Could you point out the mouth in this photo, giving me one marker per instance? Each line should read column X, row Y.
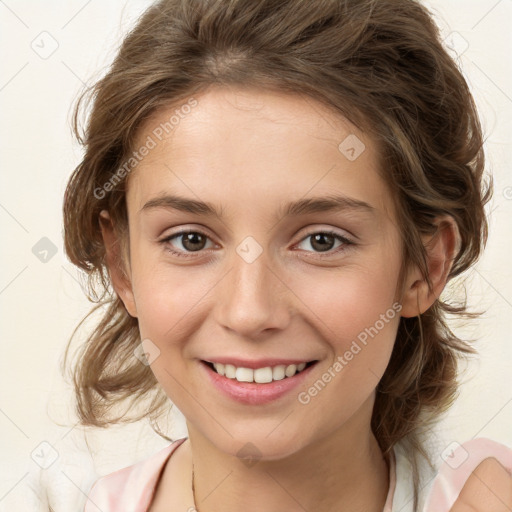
column 261, row 375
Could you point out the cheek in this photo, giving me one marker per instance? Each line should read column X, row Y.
column 351, row 300
column 169, row 314
column 356, row 314
column 358, row 318
column 168, row 299
column 164, row 294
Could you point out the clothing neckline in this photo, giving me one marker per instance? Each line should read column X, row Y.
column 156, row 476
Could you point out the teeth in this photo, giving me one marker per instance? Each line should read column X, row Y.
column 259, row 375
column 230, row 371
column 244, row 375
column 263, row 375
column 290, row 370
column 278, row 372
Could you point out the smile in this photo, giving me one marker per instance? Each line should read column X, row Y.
column 266, row 382
column 261, row 375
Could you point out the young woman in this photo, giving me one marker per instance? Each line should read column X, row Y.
column 273, row 196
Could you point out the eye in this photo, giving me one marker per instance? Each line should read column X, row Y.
column 324, row 241
column 190, row 240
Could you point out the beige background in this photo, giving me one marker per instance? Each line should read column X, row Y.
column 41, row 302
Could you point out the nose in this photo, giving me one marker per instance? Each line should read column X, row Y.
column 253, row 298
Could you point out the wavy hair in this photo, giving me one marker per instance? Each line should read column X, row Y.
column 379, row 63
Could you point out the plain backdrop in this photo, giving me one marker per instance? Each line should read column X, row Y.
column 49, row 50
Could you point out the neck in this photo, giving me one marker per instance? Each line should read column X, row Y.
column 342, row 471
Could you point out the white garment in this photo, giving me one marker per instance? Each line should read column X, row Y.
column 403, row 498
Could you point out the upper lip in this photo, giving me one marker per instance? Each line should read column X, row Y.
column 256, row 363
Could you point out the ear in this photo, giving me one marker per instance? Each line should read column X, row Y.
column 116, row 266
column 441, row 249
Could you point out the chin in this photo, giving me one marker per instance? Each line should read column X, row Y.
column 253, row 447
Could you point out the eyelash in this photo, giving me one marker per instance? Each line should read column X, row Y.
column 345, row 241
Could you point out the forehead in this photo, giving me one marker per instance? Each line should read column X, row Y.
column 255, row 146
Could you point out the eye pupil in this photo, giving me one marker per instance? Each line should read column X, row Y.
column 322, row 246
column 190, row 241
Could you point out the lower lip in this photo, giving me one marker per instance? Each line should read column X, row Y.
column 253, row 393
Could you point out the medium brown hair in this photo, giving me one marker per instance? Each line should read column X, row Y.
column 380, row 64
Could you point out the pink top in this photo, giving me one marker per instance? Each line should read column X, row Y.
column 131, row 489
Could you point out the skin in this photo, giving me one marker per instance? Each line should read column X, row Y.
column 488, row 489
column 251, row 151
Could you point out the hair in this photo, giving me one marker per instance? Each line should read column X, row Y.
column 379, row 63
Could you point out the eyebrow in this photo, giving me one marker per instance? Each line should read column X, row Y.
column 331, row 203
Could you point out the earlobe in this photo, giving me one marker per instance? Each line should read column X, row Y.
column 441, row 250
column 115, row 264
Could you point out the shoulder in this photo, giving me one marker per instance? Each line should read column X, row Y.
column 129, row 488
column 475, row 476
column 488, row 489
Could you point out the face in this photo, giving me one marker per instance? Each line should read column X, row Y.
column 297, row 261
